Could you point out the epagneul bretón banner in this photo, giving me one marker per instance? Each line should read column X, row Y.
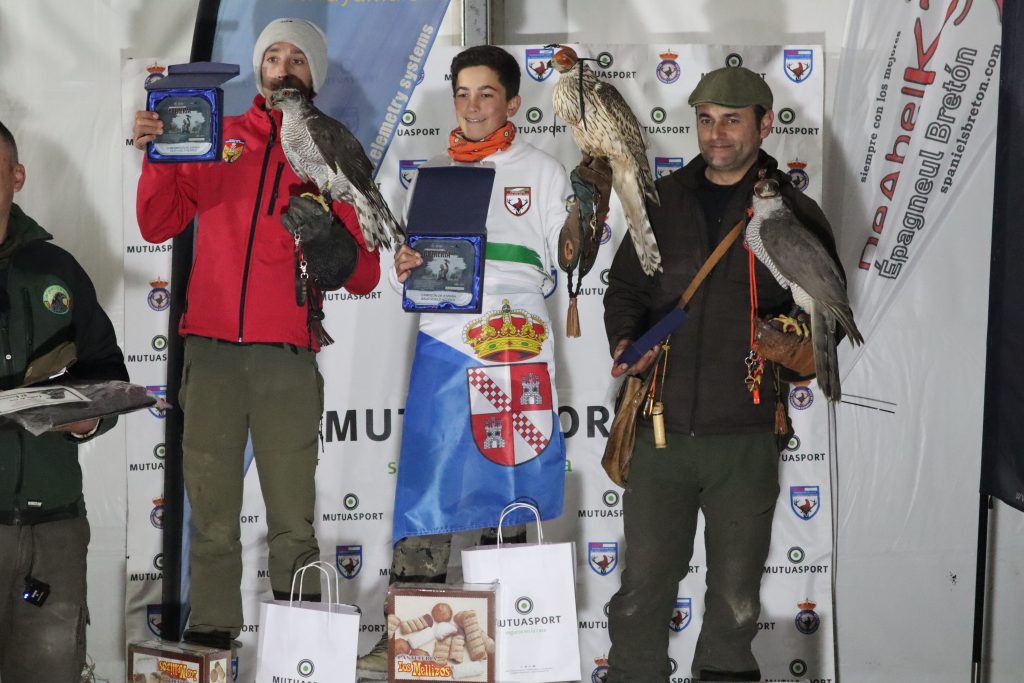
column 926, row 126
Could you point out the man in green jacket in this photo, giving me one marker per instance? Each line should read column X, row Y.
column 46, row 299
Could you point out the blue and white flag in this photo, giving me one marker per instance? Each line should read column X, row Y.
column 481, row 424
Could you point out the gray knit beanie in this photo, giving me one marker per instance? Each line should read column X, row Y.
column 304, row 35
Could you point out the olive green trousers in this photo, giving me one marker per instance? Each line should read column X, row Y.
column 733, row 481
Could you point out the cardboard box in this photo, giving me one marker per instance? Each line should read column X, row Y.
column 440, row 632
column 159, row 661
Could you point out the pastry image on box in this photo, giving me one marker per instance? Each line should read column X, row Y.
column 442, row 633
column 158, row 661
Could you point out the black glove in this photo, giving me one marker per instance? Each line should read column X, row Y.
column 330, row 250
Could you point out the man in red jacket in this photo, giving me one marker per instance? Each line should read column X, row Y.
column 250, row 346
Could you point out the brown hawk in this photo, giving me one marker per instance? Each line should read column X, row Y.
column 603, row 125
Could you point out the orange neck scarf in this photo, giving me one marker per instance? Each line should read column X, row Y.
column 461, row 149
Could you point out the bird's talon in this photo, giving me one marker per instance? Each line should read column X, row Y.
column 792, row 325
column 319, row 199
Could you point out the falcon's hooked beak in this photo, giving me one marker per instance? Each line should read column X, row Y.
column 766, row 188
column 281, row 95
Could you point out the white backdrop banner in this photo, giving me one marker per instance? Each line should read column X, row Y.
column 915, row 129
column 366, row 371
column 147, row 273
column 915, row 122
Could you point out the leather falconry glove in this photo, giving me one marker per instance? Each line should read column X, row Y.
column 327, row 246
column 791, row 350
column 580, row 238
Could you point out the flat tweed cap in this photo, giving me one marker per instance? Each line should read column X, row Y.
column 732, row 86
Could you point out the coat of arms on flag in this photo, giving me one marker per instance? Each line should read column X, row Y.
column 510, row 411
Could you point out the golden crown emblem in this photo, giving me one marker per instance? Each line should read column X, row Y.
column 796, row 163
column 601, row 661
column 506, row 334
column 158, row 283
column 806, row 605
column 155, row 69
column 158, row 501
column 668, row 54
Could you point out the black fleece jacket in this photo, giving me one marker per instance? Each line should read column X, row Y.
column 704, row 391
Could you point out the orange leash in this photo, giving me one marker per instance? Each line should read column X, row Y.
column 754, row 361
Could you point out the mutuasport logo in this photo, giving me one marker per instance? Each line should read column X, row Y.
column 524, row 605
column 305, row 668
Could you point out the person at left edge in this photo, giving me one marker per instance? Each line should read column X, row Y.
column 250, row 347
column 45, row 299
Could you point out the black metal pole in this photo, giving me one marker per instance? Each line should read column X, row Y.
column 1002, row 436
column 979, row 588
column 174, row 607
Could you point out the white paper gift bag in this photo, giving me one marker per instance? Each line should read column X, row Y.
column 537, row 640
column 308, row 640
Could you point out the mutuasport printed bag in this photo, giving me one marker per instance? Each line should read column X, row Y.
column 537, row 639
column 313, row 641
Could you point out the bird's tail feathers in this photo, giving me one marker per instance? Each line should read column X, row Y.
column 844, row 314
column 376, row 221
column 826, row 361
column 630, row 192
column 646, row 180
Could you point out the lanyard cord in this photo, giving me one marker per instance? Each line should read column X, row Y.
column 754, row 361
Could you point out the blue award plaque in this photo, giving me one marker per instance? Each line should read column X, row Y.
column 448, row 227
column 190, row 104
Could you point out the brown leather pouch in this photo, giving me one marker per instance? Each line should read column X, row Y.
column 618, row 451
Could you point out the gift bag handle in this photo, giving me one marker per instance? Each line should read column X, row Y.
column 520, row 505
column 325, row 569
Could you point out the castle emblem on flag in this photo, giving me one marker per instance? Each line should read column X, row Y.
column 494, row 439
column 531, row 391
column 511, row 411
